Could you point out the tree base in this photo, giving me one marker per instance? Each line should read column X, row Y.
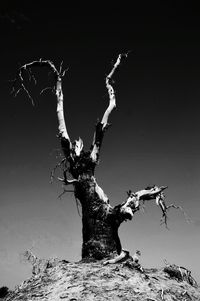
column 95, row 250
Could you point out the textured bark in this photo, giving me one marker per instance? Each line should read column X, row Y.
column 99, row 226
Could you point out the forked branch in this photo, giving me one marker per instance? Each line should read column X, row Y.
column 134, row 200
column 20, row 82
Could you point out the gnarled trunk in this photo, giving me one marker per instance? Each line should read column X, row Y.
column 99, row 225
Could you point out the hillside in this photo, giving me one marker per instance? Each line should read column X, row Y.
column 62, row 280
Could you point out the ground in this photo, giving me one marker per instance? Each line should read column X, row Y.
column 62, row 280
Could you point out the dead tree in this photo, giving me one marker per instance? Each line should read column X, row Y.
column 100, row 220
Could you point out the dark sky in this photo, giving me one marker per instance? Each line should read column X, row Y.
column 154, row 138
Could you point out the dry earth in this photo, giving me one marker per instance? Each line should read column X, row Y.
column 61, row 280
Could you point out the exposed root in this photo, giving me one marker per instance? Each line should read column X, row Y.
column 120, row 258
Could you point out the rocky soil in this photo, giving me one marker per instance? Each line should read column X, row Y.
column 61, row 280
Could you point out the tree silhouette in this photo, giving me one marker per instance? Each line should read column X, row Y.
column 100, row 220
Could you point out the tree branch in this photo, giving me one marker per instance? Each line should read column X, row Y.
column 103, row 125
column 133, row 203
column 19, row 80
column 63, row 166
column 66, row 181
column 111, row 92
column 97, row 141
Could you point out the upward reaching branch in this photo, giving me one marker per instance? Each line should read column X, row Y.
column 19, row 80
column 60, row 113
column 111, row 92
column 102, row 126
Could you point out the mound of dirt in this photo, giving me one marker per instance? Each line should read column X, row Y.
column 62, row 280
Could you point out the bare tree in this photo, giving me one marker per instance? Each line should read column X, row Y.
column 100, row 219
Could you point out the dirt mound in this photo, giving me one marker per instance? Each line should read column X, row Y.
column 62, row 280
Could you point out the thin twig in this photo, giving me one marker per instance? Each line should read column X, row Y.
column 45, row 89
column 27, row 67
column 64, row 191
column 54, row 169
column 187, row 218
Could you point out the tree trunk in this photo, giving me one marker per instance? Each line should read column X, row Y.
column 99, row 225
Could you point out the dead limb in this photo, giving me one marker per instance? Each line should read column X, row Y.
column 66, row 181
column 111, row 92
column 103, row 125
column 19, row 80
column 61, row 165
column 63, row 192
column 134, row 201
column 161, row 202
